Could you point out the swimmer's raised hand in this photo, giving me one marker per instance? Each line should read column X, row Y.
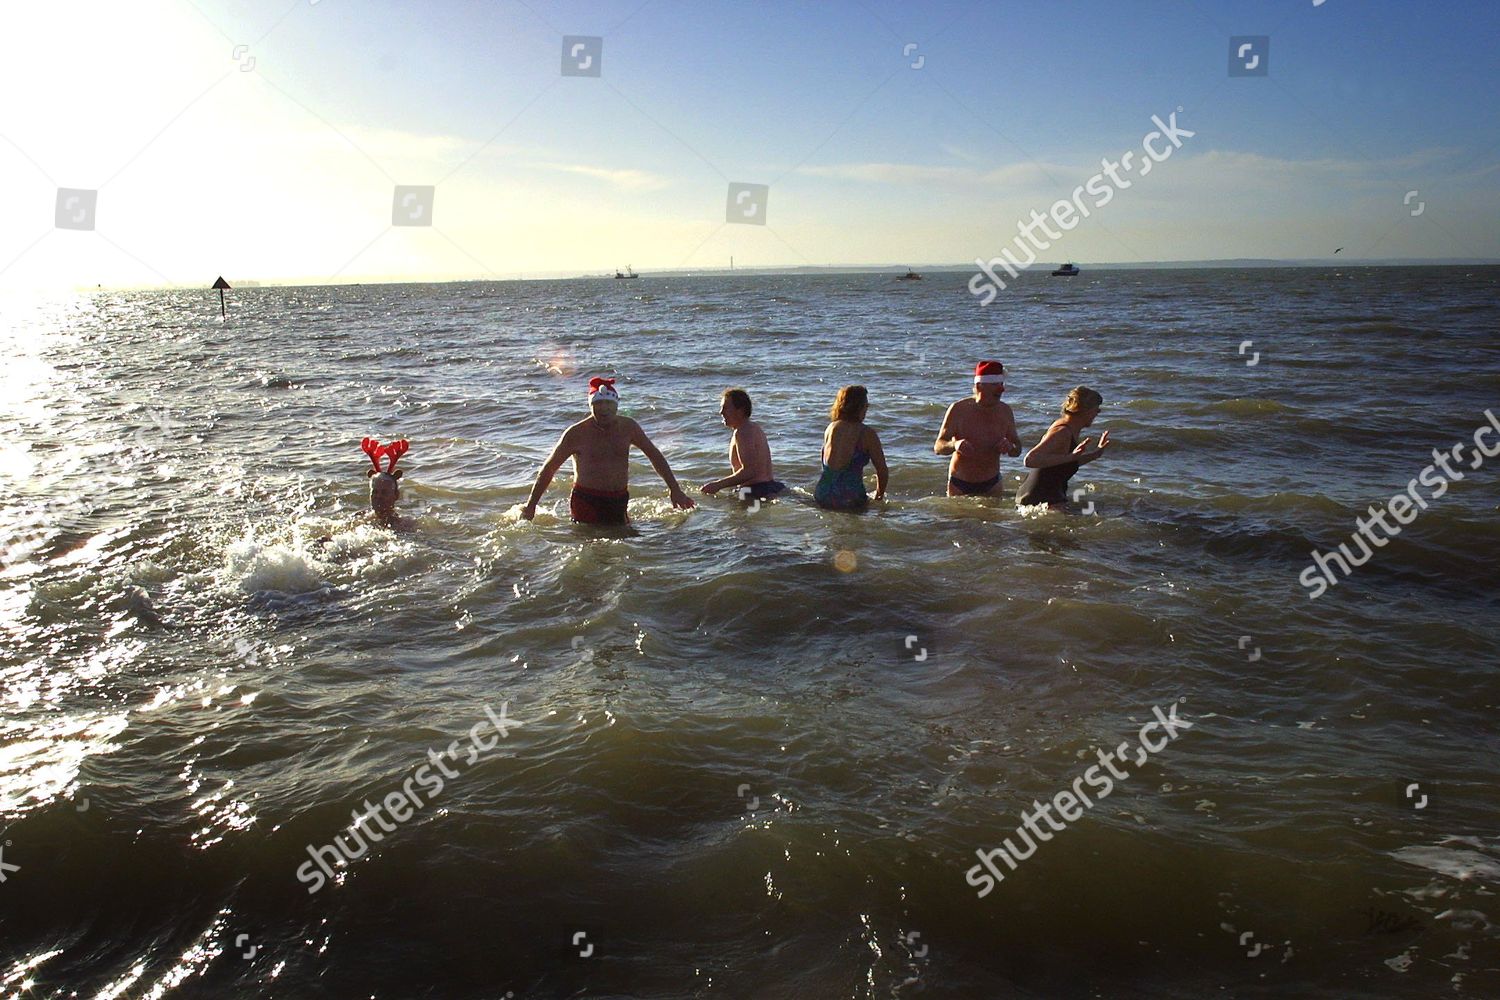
column 1084, row 454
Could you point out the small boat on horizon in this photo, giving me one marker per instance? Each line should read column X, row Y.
column 629, row 273
column 1066, row 271
column 910, row 275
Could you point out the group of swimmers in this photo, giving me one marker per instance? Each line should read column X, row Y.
column 976, row 432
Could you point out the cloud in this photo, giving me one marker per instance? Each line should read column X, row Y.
column 1277, row 170
column 624, row 179
column 958, row 153
column 1476, row 174
column 390, row 146
column 1225, row 168
column 1012, row 176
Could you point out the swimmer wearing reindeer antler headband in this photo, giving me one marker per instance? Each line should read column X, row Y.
column 384, row 489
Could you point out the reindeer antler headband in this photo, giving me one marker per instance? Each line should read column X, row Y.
column 374, row 449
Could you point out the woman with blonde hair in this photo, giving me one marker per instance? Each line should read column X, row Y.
column 1059, row 453
column 847, row 445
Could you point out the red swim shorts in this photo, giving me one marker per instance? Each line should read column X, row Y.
column 599, row 506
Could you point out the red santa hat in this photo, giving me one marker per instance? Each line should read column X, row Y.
column 989, row 373
column 602, row 390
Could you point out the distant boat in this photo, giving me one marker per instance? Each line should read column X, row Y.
column 1066, row 271
column 910, row 275
column 628, row 273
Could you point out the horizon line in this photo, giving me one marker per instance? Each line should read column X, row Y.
column 1223, row 263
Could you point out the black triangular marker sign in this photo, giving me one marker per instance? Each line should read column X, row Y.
column 221, row 283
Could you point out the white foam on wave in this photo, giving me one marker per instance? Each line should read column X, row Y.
column 554, row 511
column 1460, row 864
column 547, row 512
column 315, row 553
column 256, row 564
column 1036, row 511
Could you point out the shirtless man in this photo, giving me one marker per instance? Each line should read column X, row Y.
column 976, row 432
column 600, row 449
column 749, row 452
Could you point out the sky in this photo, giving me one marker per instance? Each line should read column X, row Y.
column 164, row 142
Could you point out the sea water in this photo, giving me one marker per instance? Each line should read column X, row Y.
column 757, row 748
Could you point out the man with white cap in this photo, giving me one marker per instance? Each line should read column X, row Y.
column 600, row 449
column 976, row 432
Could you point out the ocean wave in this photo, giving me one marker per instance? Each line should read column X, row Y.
column 1163, row 439
column 1235, row 407
column 1281, row 504
column 1338, row 319
column 1474, row 863
column 1245, row 407
column 258, row 566
column 1366, row 328
column 270, row 380
column 315, row 554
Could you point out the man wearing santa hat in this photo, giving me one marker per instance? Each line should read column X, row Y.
column 600, row 449
column 976, row 432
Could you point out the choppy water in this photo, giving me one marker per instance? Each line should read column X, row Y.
column 737, row 775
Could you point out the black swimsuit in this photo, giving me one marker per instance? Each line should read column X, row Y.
column 1049, row 485
column 964, row 488
column 761, row 491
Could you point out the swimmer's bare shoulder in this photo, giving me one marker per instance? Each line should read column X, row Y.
column 756, row 435
column 579, row 437
column 960, row 415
